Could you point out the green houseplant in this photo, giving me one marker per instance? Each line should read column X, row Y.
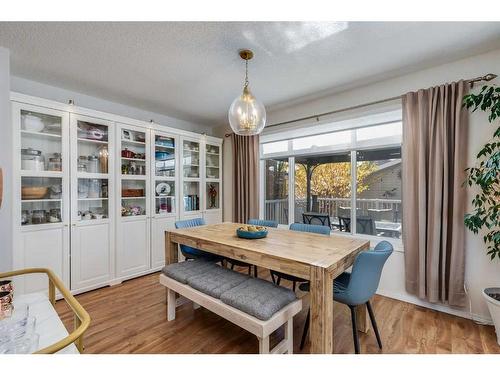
column 485, row 175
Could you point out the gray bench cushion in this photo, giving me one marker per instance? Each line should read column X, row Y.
column 258, row 298
column 182, row 271
column 216, row 281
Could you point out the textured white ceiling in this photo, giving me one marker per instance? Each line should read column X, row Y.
column 191, row 70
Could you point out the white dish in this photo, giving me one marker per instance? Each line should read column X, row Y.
column 33, row 123
column 163, row 188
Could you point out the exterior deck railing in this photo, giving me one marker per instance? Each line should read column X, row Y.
column 385, row 209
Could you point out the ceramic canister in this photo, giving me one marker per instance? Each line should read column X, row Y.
column 5, row 301
column 6, row 286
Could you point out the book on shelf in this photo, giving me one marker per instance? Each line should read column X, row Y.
column 192, row 202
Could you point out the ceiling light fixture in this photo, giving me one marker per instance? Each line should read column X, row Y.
column 247, row 115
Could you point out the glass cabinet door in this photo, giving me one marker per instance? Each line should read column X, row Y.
column 134, row 172
column 212, row 176
column 212, row 162
column 92, row 153
column 164, row 181
column 191, row 159
column 42, row 169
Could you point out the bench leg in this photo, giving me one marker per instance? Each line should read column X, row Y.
column 289, row 336
column 170, row 304
column 264, row 345
column 195, row 306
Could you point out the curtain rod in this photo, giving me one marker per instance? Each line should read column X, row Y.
column 487, row 77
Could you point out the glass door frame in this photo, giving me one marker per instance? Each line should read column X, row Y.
column 75, row 175
column 207, row 180
column 64, row 175
column 176, row 179
column 199, row 179
column 121, row 177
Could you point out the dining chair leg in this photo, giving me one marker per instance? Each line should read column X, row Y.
column 294, row 285
column 255, row 272
column 249, row 270
column 354, row 329
column 272, row 277
column 374, row 323
column 306, row 328
column 232, row 266
column 278, row 282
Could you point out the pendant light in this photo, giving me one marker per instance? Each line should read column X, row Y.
column 247, row 115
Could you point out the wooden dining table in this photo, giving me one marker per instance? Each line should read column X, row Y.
column 313, row 257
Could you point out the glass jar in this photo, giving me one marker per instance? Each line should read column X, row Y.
column 93, row 164
column 32, row 160
column 95, row 188
column 39, row 217
column 25, row 217
column 83, row 188
column 132, row 168
column 55, row 215
column 82, row 164
column 104, row 188
column 55, row 162
column 103, row 160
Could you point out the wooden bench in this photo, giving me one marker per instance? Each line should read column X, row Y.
column 261, row 329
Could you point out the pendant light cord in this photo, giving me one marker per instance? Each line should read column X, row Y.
column 246, row 72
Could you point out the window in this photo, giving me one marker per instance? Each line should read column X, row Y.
column 350, row 175
column 323, row 140
column 274, row 147
column 378, row 198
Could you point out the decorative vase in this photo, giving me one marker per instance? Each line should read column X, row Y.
column 492, row 297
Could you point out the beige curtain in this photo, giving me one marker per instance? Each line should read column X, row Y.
column 434, row 158
column 245, row 177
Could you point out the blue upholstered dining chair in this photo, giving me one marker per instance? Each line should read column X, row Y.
column 356, row 288
column 263, row 223
column 311, row 228
column 190, row 252
column 258, row 222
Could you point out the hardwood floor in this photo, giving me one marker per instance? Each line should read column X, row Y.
column 131, row 318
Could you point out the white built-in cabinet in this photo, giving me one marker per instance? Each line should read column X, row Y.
column 96, row 192
column 165, row 191
column 41, row 240
column 212, row 161
column 92, row 201
column 201, row 180
column 133, row 223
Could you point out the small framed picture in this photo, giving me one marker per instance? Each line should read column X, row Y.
column 127, row 135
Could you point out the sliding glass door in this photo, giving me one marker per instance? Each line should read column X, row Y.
column 323, row 186
column 276, row 190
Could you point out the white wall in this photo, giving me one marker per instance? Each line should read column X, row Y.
column 6, row 152
column 25, row 86
column 480, row 271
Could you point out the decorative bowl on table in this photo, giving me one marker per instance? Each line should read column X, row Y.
column 251, row 232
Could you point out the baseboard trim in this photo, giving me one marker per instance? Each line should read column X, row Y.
column 441, row 308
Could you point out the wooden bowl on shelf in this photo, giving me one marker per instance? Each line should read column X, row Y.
column 34, row 192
